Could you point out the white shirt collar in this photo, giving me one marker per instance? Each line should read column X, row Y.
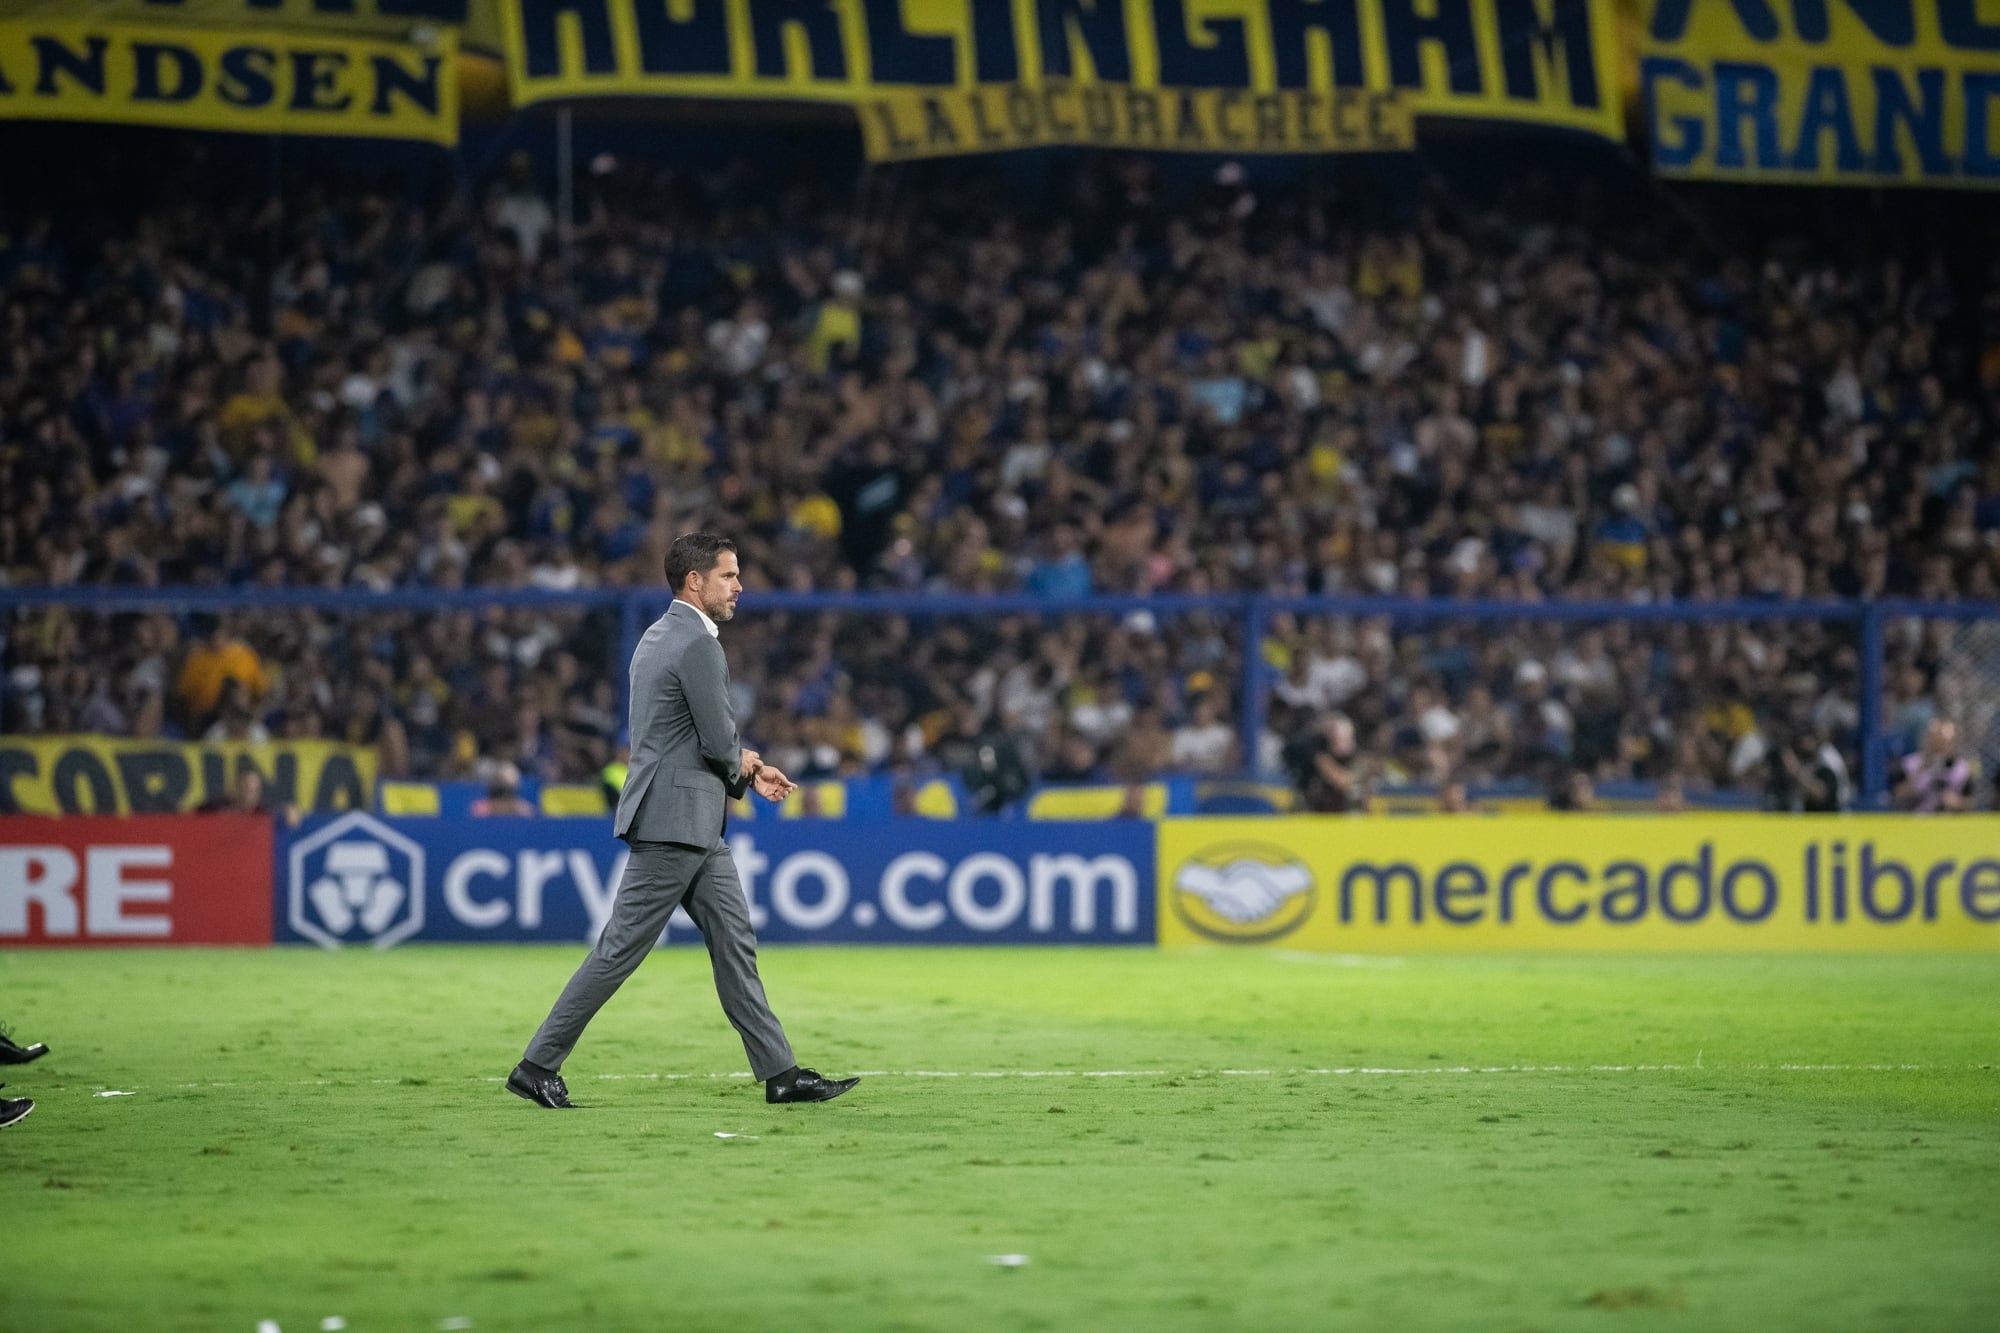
column 709, row 625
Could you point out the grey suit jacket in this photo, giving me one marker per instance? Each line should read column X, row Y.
column 685, row 754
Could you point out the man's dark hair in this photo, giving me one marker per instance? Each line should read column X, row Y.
column 694, row 553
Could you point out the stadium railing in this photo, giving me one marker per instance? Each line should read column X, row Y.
column 1839, row 653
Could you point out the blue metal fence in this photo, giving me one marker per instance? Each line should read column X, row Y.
column 636, row 608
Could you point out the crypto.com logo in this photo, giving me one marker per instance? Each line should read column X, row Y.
column 356, row 880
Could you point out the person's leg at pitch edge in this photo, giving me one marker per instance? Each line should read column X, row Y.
column 715, row 903
column 13, row 1110
column 656, row 878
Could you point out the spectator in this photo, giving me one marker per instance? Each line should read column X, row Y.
column 1808, row 775
column 1076, row 760
column 1204, row 743
column 1464, row 397
column 1322, row 763
column 247, row 796
column 235, row 721
column 367, row 721
column 519, row 209
column 1937, row 779
column 503, row 795
column 988, row 760
column 220, row 657
column 1576, row 794
column 1062, row 571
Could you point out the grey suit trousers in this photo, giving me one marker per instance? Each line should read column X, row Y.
column 659, row 877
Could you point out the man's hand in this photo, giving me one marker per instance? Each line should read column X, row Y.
column 752, row 761
column 771, row 784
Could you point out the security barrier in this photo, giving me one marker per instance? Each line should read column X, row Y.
column 602, row 626
column 1692, row 882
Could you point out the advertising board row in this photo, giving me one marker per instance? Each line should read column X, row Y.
column 1397, row 886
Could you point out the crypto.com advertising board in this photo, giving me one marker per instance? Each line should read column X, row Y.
column 1564, row 882
column 361, row 880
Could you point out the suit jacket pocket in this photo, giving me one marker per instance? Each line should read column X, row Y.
column 697, row 803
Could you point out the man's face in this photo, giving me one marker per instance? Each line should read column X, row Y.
column 716, row 591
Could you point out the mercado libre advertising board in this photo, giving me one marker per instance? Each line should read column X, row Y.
column 96, row 775
column 933, row 77
column 266, row 81
column 1784, row 882
column 1877, row 92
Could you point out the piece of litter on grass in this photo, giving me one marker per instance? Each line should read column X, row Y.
column 333, row 1323
column 456, row 1321
column 1007, row 1260
column 127, row 1094
column 263, row 1325
column 725, row 1134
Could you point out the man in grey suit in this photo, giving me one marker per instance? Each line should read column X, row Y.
column 685, row 758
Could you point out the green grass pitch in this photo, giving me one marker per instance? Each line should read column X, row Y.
column 1173, row 1141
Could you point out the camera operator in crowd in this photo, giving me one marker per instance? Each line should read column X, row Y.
column 1324, row 766
column 1806, row 774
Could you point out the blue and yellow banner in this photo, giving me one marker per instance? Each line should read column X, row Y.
column 1711, row 882
column 100, row 775
column 265, row 81
column 938, row 76
column 477, row 21
column 1866, row 92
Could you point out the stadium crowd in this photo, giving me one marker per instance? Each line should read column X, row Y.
column 939, row 388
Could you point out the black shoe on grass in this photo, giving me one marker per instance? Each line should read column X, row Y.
column 11, row 1054
column 804, row 1085
column 540, row 1087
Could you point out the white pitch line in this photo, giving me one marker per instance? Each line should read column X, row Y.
column 1335, row 1071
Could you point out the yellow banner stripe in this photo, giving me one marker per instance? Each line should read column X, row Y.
column 1904, row 94
column 262, row 82
column 1535, row 61
column 983, row 120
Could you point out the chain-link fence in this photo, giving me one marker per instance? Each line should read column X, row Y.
column 1005, row 695
column 1941, row 708
column 1334, row 699
column 1559, row 705
column 433, row 687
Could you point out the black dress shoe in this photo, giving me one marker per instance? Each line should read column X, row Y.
column 541, row 1089
column 10, row 1054
column 13, row 1109
column 805, row 1085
